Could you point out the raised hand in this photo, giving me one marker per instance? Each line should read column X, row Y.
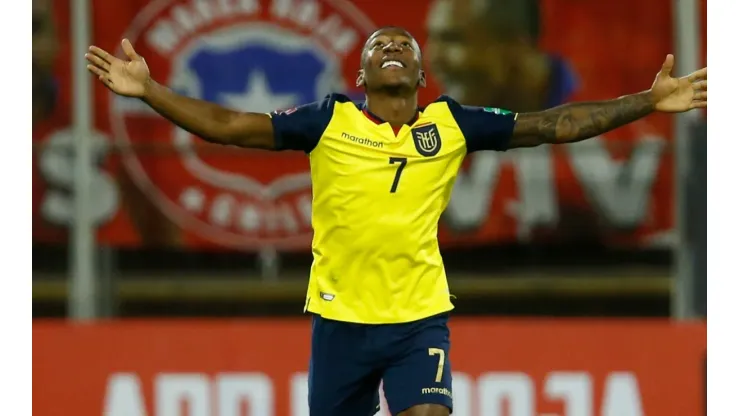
column 676, row 95
column 128, row 78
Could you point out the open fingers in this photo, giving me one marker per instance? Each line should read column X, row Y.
column 667, row 65
column 700, row 95
column 99, row 72
column 105, row 56
column 128, row 49
column 102, row 77
column 700, row 75
column 107, row 81
column 698, row 104
column 98, row 62
column 700, row 86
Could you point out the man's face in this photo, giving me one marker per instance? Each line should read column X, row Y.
column 470, row 63
column 391, row 58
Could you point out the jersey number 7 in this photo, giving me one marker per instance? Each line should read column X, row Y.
column 402, row 164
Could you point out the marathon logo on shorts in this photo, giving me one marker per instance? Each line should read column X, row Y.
column 437, row 390
column 248, row 55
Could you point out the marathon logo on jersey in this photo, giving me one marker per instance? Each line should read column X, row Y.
column 362, row 140
column 427, row 140
column 248, row 55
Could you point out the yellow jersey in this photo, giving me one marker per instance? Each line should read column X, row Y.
column 378, row 194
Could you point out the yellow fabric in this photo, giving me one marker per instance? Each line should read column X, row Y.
column 376, row 254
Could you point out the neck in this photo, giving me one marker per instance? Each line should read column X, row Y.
column 395, row 109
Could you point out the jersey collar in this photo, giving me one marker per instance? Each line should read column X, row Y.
column 377, row 120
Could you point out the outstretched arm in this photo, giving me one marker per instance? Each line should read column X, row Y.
column 209, row 121
column 579, row 121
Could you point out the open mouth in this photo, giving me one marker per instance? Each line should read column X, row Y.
column 392, row 63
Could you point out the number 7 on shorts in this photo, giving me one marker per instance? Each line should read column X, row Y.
column 440, row 363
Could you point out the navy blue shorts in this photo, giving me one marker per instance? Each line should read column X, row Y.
column 348, row 362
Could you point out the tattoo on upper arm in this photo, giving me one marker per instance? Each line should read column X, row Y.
column 579, row 121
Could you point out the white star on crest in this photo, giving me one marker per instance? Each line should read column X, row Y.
column 257, row 97
column 193, row 200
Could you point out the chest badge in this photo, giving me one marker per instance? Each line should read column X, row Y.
column 427, row 140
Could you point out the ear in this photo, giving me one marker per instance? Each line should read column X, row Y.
column 422, row 78
column 360, row 78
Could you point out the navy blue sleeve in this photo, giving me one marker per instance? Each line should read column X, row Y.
column 484, row 128
column 301, row 128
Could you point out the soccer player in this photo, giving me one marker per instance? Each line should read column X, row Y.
column 382, row 172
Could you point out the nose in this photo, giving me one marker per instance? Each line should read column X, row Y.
column 392, row 47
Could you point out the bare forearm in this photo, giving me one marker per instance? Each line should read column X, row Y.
column 579, row 121
column 209, row 121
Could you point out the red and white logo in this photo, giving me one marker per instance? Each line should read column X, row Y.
column 248, row 55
